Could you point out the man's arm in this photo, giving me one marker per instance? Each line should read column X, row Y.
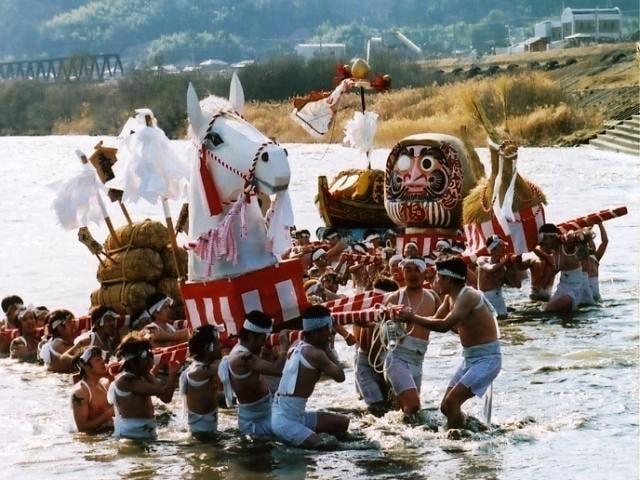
column 461, row 310
column 604, row 242
column 327, row 364
column 80, row 407
column 152, row 386
column 158, row 335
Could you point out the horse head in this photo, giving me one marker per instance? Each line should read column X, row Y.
column 236, row 163
column 243, row 157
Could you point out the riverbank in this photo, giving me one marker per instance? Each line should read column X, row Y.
column 555, row 98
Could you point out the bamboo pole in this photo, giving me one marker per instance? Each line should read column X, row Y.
column 172, row 237
column 103, row 209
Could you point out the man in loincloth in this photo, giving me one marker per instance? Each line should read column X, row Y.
column 25, row 347
column 403, row 363
column 591, row 264
column 307, row 359
column 198, row 381
column 494, row 271
column 541, row 264
column 10, row 307
column 160, row 332
column 131, row 392
column 104, row 330
column 241, row 374
column 58, row 352
column 91, row 410
column 468, row 313
column 369, row 359
column 568, row 261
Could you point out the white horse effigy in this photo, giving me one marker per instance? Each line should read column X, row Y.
column 233, row 259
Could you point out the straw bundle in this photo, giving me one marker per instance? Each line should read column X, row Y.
column 147, row 234
column 134, row 265
column 169, row 266
column 169, row 286
column 126, row 298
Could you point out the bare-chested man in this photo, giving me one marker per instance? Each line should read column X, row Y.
column 198, row 382
column 403, row 364
column 241, row 374
column 568, row 260
column 467, row 312
column 10, row 307
column 307, row 359
column 541, row 264
column 130, row 393
column 160, row 332
column 494, row 271
column 25, row 347
column 91, row 410
column 104, row 330
column 58, row 352
column 591, row 264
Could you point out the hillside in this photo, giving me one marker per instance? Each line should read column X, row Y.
column 181, row 31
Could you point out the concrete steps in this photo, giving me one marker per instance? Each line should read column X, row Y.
column 623, row 137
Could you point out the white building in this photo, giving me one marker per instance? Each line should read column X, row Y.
column 310, row 50
column 551, row 29
column 597, row 23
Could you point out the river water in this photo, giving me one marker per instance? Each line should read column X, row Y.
column 565, row 407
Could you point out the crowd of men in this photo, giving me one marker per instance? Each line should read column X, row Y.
column 448, row 290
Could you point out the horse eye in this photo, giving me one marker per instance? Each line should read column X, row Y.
column 286, row 153
column 265, row 157
column 214, row 138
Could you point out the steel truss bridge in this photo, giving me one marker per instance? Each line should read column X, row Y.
column 64, row 69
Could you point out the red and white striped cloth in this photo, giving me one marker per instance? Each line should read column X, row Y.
column 426, row 243
column 162, row 356
column 276, row 290
column 359, row 301
column 523, row 231
column 368, row 315
column 8, row 334
column 363, row 259
column 592, row 219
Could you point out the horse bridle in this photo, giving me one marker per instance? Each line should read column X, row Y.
column 249, row 177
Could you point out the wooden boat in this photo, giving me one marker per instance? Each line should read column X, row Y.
column 340, row 207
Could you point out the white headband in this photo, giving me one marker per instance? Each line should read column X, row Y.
column 396, row 258
column 309, row 324
column 443, row 244
column 313, row 288
column 546, row 234
column 60, row 321
column 332, row 235
column 108, row 313
column 448, row 273
column 317, row 254
column 156, row 307
column 373, row 236
column 495, row 243
column 252, row 327
column 130, row 356
column 418, row 262
column 87, row 354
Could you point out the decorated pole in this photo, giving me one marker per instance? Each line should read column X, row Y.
column 105, row 214
column 148, row 168
column 167, row 217
column 78, row 202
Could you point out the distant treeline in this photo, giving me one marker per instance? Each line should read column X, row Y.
column 38, row 108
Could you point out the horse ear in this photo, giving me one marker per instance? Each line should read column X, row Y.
column 194, row 112
column 236, row 94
